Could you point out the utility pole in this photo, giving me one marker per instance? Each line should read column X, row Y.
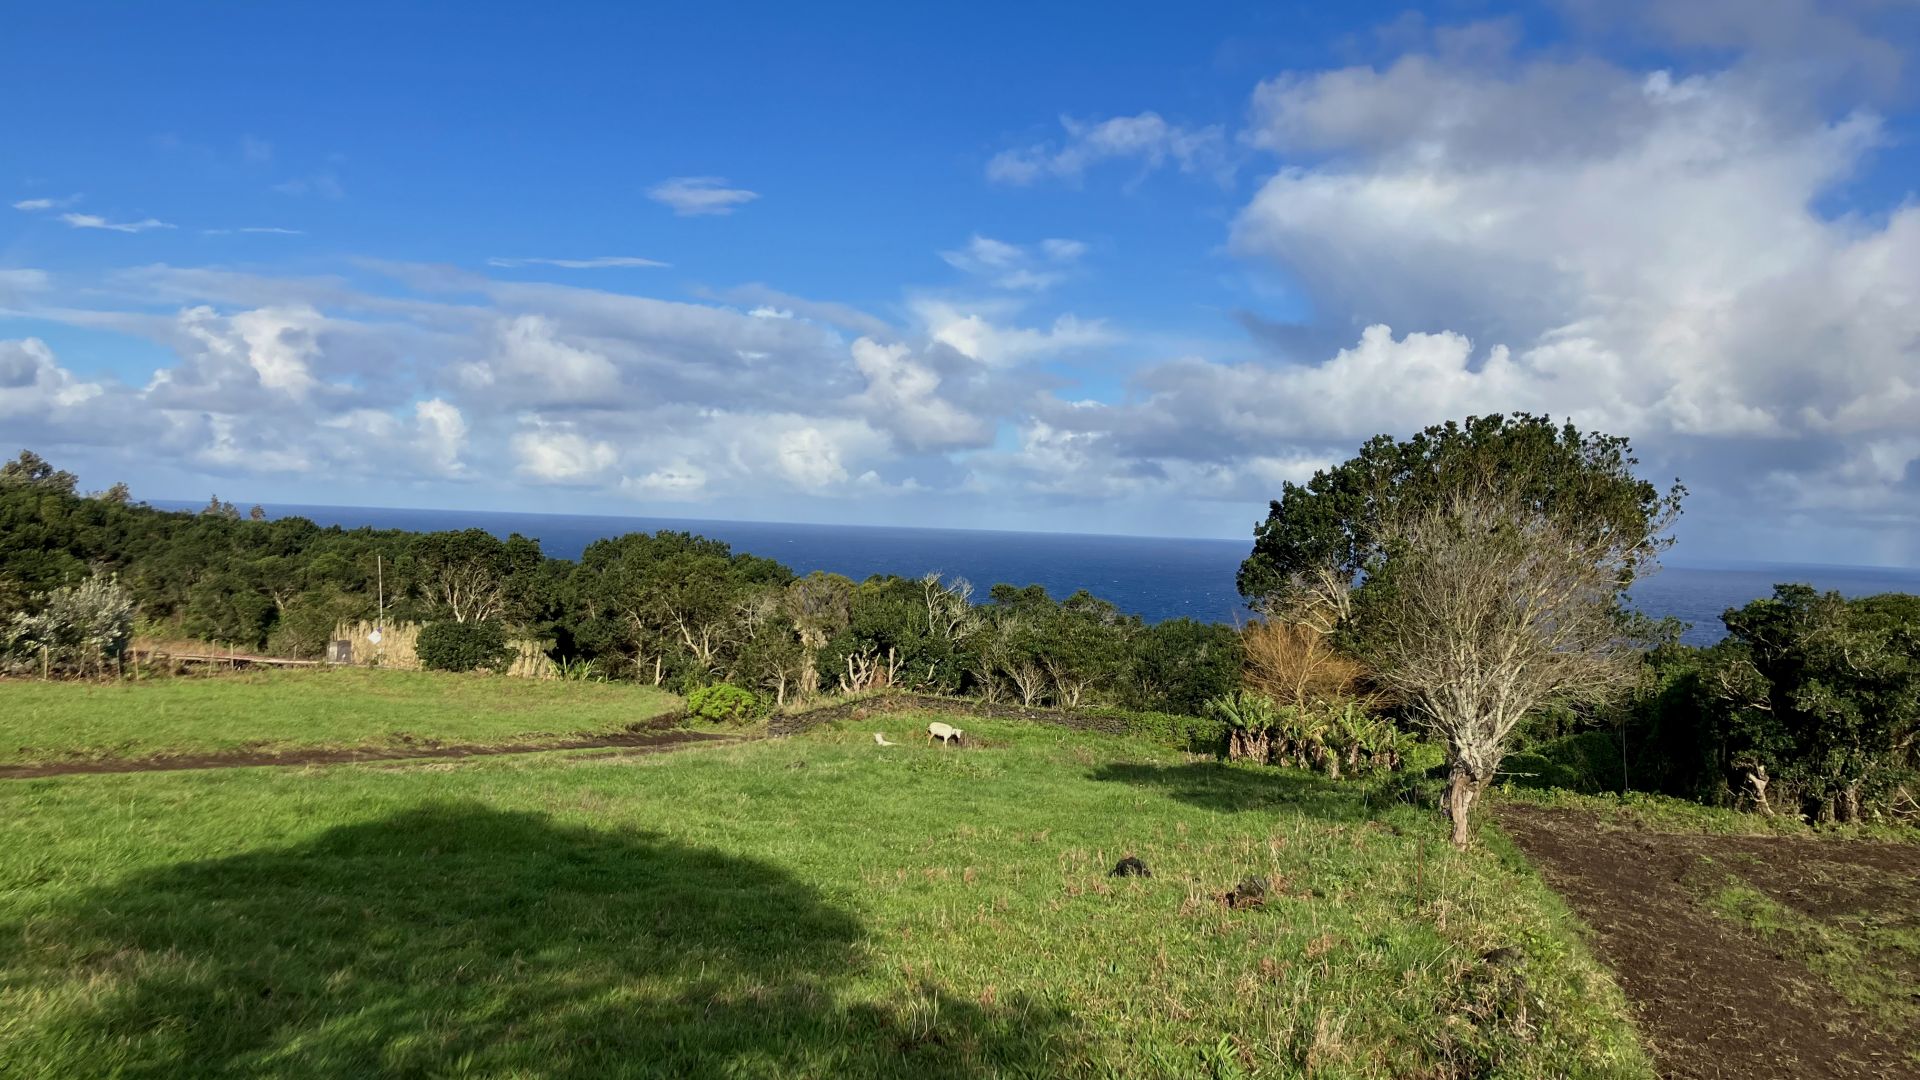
column 380, row 620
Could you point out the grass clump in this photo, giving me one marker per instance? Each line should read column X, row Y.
column 724, row 703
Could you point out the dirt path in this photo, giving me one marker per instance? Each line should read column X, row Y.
column 641, row 741
column 1713, row 1000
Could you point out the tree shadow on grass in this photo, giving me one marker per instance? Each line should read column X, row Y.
column 461, row 940
column 1217, row 785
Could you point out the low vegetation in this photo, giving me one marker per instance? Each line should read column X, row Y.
column 283, row 711
column 818, row 905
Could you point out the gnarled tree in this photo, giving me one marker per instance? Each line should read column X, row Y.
column 1485, row 609
column 1484, row 565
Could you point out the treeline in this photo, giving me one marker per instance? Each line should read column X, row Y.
column 670, row 608
column 1810, row 707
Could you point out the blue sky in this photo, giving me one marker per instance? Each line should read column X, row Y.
column 1098, row 268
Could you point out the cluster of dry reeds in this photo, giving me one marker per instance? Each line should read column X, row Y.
column 396, row 649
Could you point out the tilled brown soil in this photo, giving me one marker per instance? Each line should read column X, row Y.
column 638, row 741
column 1714, row 1000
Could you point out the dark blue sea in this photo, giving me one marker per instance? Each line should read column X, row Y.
column 1155, row 577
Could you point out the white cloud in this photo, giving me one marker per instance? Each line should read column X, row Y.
column 903, row 395
column 1010, row 266
column 95, row 221
column 599, row 262
column 46, row 203
column 969, row 330
column 561, row 455
column 261, row 230
column 31, row 380
column 692, row 196
column 1146, row 138
column 530, row 363
column 678, row 480
column 441, row 434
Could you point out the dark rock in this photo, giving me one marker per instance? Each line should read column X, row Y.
column 1249, row 894
column 1505, row 956
column 1130, row 867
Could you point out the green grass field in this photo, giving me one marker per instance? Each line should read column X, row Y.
column 813, row 906
column 278, row 711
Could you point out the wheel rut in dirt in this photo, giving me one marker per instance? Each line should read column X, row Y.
column 1713, row 998
column 654, row 741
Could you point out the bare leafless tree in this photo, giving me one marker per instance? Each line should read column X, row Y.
column 1484, row 609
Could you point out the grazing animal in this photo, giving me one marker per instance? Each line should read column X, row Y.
column 946, row 733
column 883, row 740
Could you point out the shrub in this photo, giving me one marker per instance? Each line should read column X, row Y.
column 463, row 646
column 1335, row 737
column 724, row 703
column 1193, row 734
column 80, row 629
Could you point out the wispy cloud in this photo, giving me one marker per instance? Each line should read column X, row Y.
column 1010, row 266
column 1147, row 138
column 324, row 185
column 601, row 262
column 267, row 230
column 691, row 196
column 95, row 221
column 46, row 204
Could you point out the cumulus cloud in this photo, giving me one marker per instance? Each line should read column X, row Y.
column 692, row 196
column 976, row 331
column 1648, row 245
column 903, row 395
column 561, row 455
column 31, row 380
column 1146, row 139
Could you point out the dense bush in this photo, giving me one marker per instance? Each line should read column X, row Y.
column 724, row 703
column 1587, row 762
column 1337, row 737
column 81, row 629
column 463, row 646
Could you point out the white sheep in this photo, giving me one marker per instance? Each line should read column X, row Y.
column 883, row 740
column 946, row 733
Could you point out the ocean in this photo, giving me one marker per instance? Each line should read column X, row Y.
column 1154, row 577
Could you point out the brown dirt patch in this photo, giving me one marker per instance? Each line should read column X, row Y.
column 1712, row 999
column 633, row 741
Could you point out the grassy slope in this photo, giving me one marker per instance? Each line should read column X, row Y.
column 816, row 906
column 292, row 709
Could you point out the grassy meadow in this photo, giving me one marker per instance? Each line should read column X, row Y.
column 812, row 906
column 275, row 711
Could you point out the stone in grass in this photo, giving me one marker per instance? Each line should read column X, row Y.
column 1130, row 867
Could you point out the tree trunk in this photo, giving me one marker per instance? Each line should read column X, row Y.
column 1461, row 794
